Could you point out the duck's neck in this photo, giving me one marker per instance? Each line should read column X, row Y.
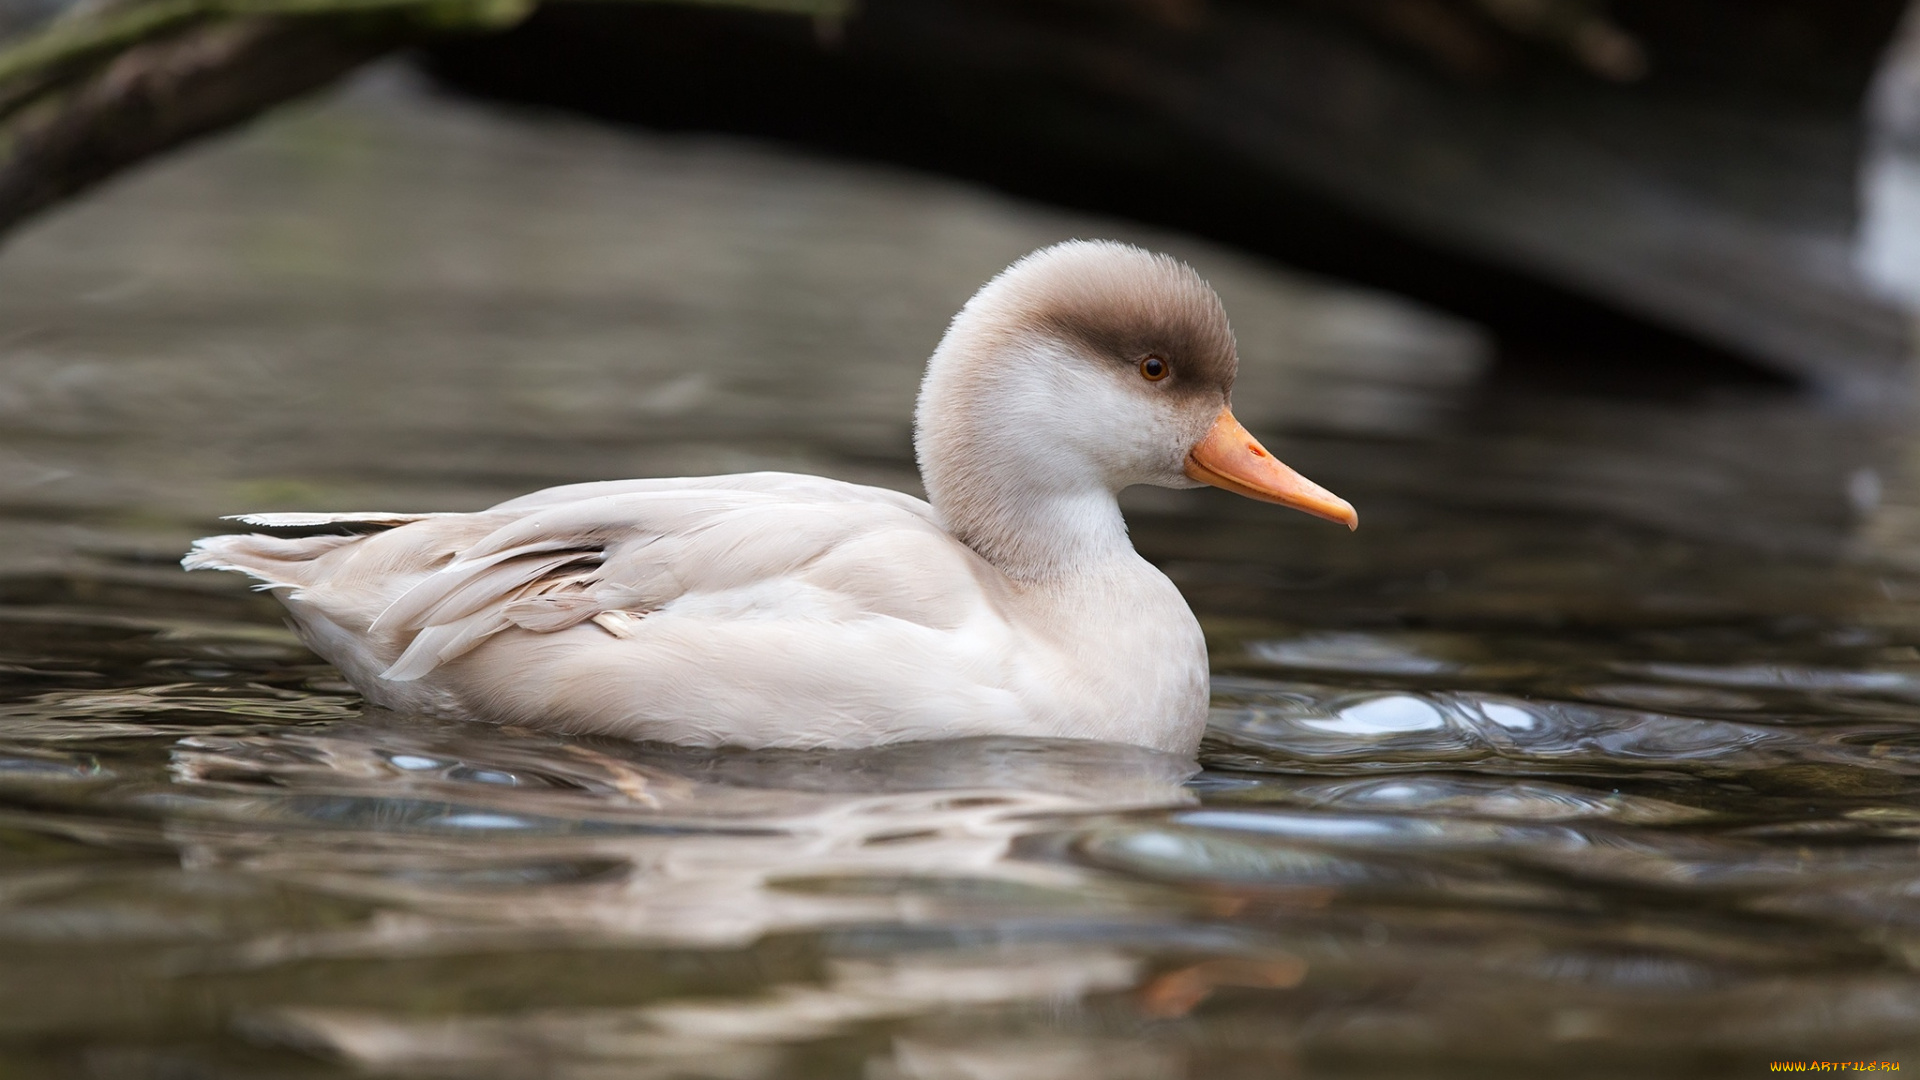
column 1034, row 536
column 1007, row 480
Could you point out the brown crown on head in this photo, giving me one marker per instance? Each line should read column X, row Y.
column 1123, row 303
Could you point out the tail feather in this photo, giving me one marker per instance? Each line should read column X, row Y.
column 281, row 562
column 277, row 562
column 375, row 519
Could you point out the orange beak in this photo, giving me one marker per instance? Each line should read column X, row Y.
column 1230, row 458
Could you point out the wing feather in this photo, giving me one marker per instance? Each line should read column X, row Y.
column 466, row 586
column 552, row 560
column 436, row 645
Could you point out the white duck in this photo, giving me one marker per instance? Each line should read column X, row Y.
column 771, row 609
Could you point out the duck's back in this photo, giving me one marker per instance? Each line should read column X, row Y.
column 759, row 609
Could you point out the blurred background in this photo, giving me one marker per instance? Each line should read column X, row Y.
column 1593, row 751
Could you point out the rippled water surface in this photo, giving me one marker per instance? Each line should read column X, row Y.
column 1592, row 753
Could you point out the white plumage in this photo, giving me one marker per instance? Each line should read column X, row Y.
column 770, row 609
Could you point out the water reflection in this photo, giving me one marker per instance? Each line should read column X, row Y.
column 1373, row 731
column 664, row 845
column 275, row 866
column 1477, row 796
column 730, row 1038
column 1593, row 754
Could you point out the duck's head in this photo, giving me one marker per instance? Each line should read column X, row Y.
column 1091, row 365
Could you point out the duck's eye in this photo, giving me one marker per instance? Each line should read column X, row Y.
column 1154, row 368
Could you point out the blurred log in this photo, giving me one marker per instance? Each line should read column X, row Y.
column 1688, row 212
column 89, row 91
column 158, row 95
column 1626, row 193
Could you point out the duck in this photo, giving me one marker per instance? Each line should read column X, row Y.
column 774, row 609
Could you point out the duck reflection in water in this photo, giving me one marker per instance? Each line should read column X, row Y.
column 473, row 839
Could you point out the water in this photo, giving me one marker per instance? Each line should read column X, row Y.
column 1592, row 753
